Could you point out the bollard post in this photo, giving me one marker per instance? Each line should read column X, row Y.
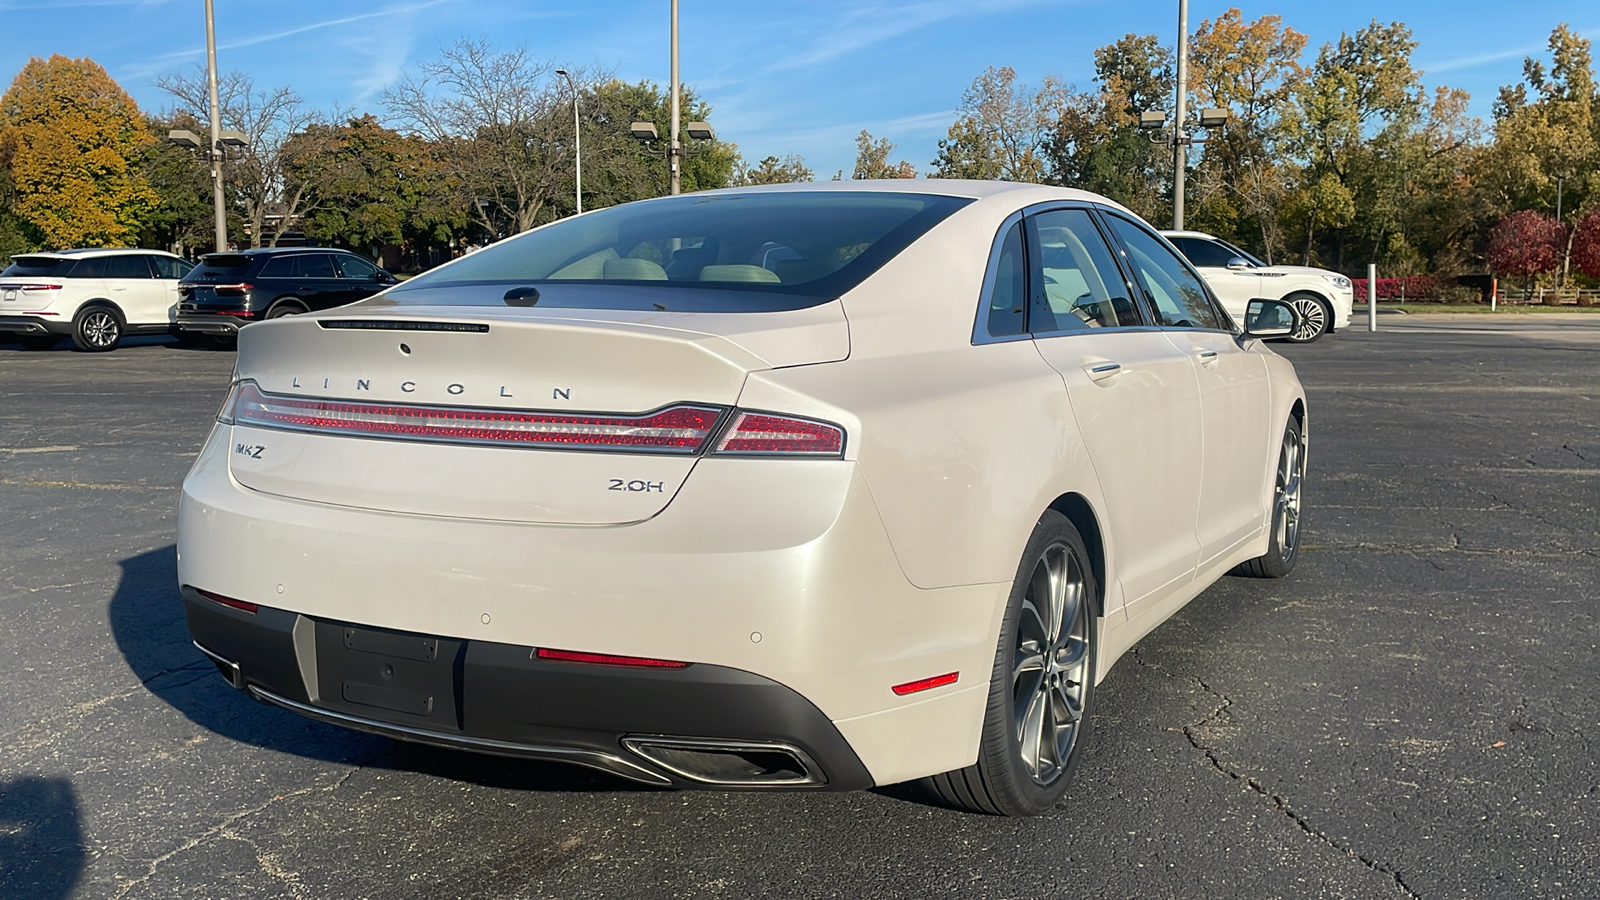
column 1494, row 292
column 1372, row 296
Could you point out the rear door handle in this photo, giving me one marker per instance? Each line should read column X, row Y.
column 1101, row 369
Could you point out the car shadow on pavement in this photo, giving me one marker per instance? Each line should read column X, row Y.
column 41, row 840
column 147, row 622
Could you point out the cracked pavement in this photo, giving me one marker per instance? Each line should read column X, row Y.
column 1409, row 715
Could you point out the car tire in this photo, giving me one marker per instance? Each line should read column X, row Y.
column 97, row 329
column 1042, row 684
column 39, row 341
column 284, row 309
column 1316, row 316
column 1283, row 543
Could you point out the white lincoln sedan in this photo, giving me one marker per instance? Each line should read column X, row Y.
column 817, row 486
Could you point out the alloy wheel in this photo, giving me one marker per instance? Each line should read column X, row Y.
column 1286, row 506
column 1313, row 319
column 99, row 329
column 1050, row 669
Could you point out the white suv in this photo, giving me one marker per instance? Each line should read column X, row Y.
column 1322, row 298
column 93, row 296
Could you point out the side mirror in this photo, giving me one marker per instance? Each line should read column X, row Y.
column 1238, row 262
column 1270, row 318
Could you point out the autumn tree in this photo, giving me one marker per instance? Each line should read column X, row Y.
column 69, row 138
column 1001, row 129
column 1586, row 244
column 772, row 170
column 256, row 177
column 1525, row 244
column 872, row 159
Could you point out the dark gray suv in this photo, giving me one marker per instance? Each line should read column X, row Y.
column 230, row 290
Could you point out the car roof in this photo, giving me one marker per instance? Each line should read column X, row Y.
column 84, row 252
column 948, row 187
column 1188, row 234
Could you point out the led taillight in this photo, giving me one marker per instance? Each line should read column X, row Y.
column 241, row 605
column 607, row 659
column 38, row 287
column 679, row 429
column 764, row 434
column 241, row 287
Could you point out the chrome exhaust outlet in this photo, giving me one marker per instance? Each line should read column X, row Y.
column 730, row 763
column 227, row 667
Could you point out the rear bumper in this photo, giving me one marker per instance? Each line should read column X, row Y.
column 203, row 323
column 778, row 571
column 15, row 324
column 502, row 699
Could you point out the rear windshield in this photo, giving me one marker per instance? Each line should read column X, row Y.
column 50, row 266
column 219, row 267
column 811, row 245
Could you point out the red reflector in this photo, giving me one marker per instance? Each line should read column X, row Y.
column 227, row 601
column 760, row 433
column 681, row 429
column 241, row 313
column 911, row 687
column 605, row 659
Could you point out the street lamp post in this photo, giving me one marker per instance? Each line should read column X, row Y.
column 216, row 132
column 1180, row 149
column 577, row 142
column 674, row 150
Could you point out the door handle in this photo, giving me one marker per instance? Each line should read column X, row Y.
column 1102, row 369
column 1207, row 357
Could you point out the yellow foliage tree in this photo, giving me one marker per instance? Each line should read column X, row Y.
column 70, row 135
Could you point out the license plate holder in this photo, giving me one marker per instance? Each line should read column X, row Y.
column 390, row 676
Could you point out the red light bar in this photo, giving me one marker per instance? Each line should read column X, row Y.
column 241, row 286
column 912, row 687
column 38, row 287
column 679, row 429
column 228, row 601
column 606, row 659
column 241, row 313
column 764, row 434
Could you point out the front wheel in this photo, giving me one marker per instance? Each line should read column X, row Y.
column 96, row 329
column 1315, row 317
column 1043, row 681
column 1283, row 545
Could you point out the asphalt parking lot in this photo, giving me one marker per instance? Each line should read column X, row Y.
column 1411, row 714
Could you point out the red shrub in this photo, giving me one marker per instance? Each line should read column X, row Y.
column 1526, row 243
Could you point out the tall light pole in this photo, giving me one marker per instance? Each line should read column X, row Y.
column 674, row 150
column 1180, row 148
column 216, row 133
column 577, row 141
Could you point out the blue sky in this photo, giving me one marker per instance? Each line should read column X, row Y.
column 801, row 76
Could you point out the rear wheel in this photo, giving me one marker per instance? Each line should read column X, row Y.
column 96, row 329
column 1043, row 681
column 1283, row 546
column 284, row 309
column 1315, row 317
column 39, row 341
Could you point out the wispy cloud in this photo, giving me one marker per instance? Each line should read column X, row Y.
column 1483, row 59
column 872, row 24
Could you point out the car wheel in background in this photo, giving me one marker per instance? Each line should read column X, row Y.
column 284, row 309
column 1043, row 680
column 220, row 341
column 1283, row 546
column 1315, row 317
column 39, row 341
column 97, row 329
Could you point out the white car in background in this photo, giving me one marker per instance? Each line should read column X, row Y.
column 93, row 296
column 1322, row 298
column 812, row 486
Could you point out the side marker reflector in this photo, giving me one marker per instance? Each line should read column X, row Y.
column 912, row 687
column 240, row 605
column 606, row 659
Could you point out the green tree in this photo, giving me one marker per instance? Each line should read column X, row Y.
column 872, row 159
column 773, row 170
column 184, row 218
column 70, row 138
column 1001, row 129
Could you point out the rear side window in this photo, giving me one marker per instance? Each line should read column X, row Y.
column 128, row 266
column 314, row 265
column 278, row 267
column 41, row 266
column 805, row 244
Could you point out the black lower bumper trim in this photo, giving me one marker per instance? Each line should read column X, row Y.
column 32, row 325
column 210, row 325
column 698, row 726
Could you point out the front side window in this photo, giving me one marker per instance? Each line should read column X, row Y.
column 758, row 250
column 357, row 268
column 1174, row 290
column 1077, row 283
column 1201, row 252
